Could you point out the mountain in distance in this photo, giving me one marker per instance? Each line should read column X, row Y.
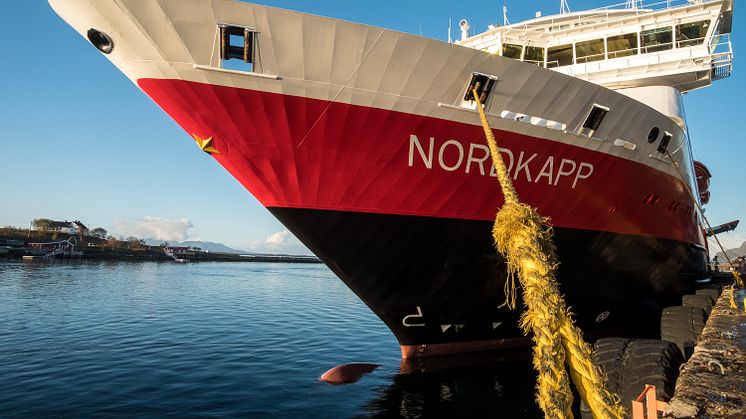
column 733, row 253
column 210, row 246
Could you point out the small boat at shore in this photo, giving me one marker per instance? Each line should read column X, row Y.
column 42, row 257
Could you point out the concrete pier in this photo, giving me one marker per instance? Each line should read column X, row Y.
column 712, row 384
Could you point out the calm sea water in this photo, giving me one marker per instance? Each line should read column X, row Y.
column 221, row 340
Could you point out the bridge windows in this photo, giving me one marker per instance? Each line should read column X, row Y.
column 691, row 34
column 512, row 51
column 560, row 55
column 658, row 39
column 617, row 46
column 534, row 55
column 587, row 51
column 622, row 45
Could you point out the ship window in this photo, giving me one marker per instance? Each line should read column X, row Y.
column 622, row 45
column 534, row 55
column 588, row 51
column 653, row 135
column 483, row 83
column 559, row 56
column 658, row 39
column 594, row 119
column 237, row 43
column 663, row 146
column 512, row 51
column 691, row 34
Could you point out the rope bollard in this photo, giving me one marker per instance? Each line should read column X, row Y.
column 524, row 238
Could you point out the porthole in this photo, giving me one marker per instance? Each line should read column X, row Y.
column 100, row 40
column 653, row 135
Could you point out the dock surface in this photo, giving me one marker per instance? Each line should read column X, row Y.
column 712, row 384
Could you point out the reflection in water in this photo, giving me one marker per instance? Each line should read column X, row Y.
column 499, row 384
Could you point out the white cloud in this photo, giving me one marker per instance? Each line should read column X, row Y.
column 155, row 228
column 278, row 238
column 280, row 242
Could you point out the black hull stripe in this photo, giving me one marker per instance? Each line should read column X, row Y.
column 445, row 276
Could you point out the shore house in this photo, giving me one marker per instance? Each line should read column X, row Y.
column 69, row 227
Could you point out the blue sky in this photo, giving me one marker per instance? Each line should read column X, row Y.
column 82, row 142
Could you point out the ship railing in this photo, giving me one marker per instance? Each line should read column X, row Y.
column 721, row 64
column 721, row 52
column 604, row 14
column 535, row 62
column 622, row 53
column 590, row 58
column 693, row 42
column 721, row 44
column 663, row 46
column 629, row 58
column 648, row 6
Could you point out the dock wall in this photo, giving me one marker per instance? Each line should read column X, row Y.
column 712, row 384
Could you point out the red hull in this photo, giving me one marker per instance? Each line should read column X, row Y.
column 294, row 152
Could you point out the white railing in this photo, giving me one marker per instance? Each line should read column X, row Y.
column 605, row 14
column 721, row 52
column 582, row 59
column 622, row 53
column 684, row 43
column 535, row 62
column 651, row 5
column 662, row 46
column 720, row 44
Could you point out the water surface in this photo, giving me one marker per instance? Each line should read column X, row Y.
column 220, row 340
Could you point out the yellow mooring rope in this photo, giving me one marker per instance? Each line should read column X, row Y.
column 524, row 238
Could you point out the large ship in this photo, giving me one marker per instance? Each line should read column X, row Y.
column 365, row 142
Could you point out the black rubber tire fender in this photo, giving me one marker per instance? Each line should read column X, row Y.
column 698, row 300
column 682, row 326
column 713, row 294
column 630, row 364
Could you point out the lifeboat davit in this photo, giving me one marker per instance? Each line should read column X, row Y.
column 703, row 176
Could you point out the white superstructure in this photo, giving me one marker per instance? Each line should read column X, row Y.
column 683, row 44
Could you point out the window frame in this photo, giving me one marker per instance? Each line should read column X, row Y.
column 541, row 62
column 658, row 46
column 591, row 126
column 616, row 53
column 590, row 57
column 229, row 51
column 692, row 42
column 507, row 44
column 565, row 47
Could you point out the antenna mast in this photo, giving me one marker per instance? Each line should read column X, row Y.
column 505, row 14
column 633, row 4
column 564, row 7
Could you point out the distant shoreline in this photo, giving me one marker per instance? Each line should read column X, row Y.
column 17, row 243
column 18, row 253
